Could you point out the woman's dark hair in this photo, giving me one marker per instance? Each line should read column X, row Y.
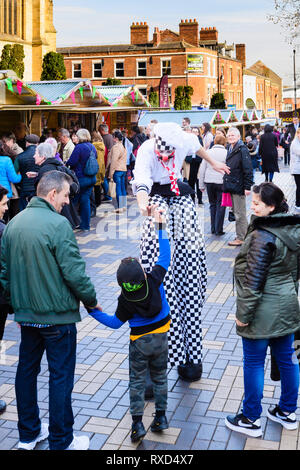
column 271, row 195
column 3, row 191
column 268, row 128
column 118, row 135
column 207, row 127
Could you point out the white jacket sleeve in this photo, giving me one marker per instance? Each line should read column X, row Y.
column 142, row 170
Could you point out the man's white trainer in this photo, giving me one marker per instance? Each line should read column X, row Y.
column 41, row 437
column 79, row 443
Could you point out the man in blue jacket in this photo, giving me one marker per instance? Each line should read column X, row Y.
column 23, row 164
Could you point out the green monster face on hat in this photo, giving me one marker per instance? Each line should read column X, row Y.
column 131, row 287
column 131, row 278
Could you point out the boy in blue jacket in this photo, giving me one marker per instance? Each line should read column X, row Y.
column 144, row 305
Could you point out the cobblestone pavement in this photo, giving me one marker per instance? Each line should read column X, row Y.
column 196, row 410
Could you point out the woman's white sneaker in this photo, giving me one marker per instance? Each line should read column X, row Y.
column 240, row 423
column 287, row 420
column 79, row 443
column 41, row 437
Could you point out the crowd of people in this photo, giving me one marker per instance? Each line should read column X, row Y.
column 167, row 167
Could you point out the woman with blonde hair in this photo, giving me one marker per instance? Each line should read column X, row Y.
column 100, row 147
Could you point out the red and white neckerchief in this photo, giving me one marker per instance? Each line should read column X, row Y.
column 172, row 176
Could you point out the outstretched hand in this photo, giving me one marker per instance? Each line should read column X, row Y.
column 221, row 167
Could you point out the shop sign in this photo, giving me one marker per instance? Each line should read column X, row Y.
column 195, row 63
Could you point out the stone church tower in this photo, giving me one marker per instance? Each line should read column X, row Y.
column 30, row 23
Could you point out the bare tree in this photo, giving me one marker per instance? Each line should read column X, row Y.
column 287, row 14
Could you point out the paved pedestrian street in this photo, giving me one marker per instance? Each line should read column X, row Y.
column 196, row 410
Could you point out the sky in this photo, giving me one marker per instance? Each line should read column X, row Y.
column 95, row 22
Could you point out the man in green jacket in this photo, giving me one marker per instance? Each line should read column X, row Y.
column 43, row 277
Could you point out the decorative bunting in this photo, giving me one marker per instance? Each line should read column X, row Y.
column 72, row 95
column 9, row 84
column 132, row 96
column 19, row 86
column 136, row 95
column 81, row 92
column 38, row 100
column 63, row 97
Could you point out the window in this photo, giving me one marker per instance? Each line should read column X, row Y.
column 143, row 90
column 97, row 70
column 77, row 73
column 208, row 66
column 119, row 69
column 166, row 67
column 239, row 77
column 222, row 78
column 288, row 107
column 142, row 68
column 230, row 75
column 214, row 67
column 170, row 93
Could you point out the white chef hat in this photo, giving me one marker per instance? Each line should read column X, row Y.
column 170, row 133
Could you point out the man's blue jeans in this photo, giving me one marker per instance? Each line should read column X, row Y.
column 119, row 179
column 59, row 342
column 254, row 359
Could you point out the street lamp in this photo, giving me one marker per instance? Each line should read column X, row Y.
column 295, row 81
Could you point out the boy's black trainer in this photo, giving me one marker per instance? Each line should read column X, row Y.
column 240, row 423
column 287, row 420
column 137, row 431
column 159, row 423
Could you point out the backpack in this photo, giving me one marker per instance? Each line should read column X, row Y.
column 91, row 167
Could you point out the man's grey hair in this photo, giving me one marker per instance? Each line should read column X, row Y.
column 83, row 135
column 235, row 131
column 52, row 180
column 103, row 127
column 45, row 150
column 64, row 132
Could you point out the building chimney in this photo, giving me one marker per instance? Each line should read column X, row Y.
column 209, row 34
column 240, row 53
column 156, row 37
column 189, row 31
column 139, row 33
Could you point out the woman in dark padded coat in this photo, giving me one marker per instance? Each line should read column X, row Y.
column 268, row 153
column 266, row 273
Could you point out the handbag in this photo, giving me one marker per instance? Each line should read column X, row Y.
column 112, row 189
column 226, row 200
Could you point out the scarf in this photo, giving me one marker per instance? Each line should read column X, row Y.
column 172, row 176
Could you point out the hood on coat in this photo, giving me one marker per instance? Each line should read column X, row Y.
column 284, row 226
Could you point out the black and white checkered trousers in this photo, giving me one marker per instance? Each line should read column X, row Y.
column 186, row 280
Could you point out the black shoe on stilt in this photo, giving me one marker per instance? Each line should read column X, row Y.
column 190, row 372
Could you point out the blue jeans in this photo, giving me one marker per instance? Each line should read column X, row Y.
column 119, row 179
column 59, row 342
column 83, row 198
column 254, row 359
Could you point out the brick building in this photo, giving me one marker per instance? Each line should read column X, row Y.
column 189, row 57
column 268, row 87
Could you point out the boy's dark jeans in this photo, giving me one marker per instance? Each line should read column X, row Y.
column 59, row 342
column 148, row 352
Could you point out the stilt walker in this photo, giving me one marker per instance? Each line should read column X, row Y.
column 157, row 181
